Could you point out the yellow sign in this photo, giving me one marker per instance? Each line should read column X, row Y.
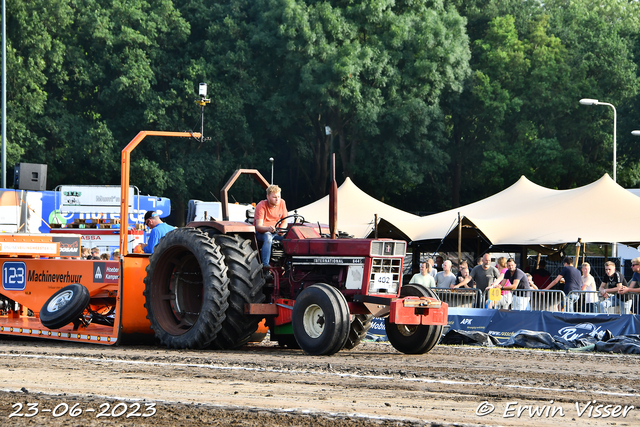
column 495, row 294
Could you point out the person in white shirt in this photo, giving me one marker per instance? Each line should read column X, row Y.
column 424, row 278
column 589, row 286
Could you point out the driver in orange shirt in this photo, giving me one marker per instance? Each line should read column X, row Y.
column 268, row 213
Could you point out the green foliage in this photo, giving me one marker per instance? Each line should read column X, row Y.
column 431, row 104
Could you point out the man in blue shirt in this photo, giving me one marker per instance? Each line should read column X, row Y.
column 158, row 230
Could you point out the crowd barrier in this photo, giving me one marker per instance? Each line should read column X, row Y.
column 542, row 300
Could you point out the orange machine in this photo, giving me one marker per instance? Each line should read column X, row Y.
column 36, row 282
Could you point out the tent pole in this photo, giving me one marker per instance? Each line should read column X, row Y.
column 577, row 258
column 538, row 261
column 584, row 251
column 459, row 241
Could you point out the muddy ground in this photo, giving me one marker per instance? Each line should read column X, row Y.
column 55, row 383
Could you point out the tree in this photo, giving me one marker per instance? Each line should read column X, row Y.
column 519, row 113
column 373, row 71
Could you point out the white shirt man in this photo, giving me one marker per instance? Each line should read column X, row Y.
column 424, row 278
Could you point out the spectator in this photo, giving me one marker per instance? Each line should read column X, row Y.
column 85, row 253
column 424, row 278
column 104, row 256
column 268, row 213
column 158, row 230
column 589, row 287
column 462, row 265
column 634, row 285
column 541, row 274
column 531, row 284
column 505, row 292
column 482, row 275
column 445, row 278
column 439, row 263
column 462, row 276
column 613, row 282
column 116, row 254
column 519, row 281
column 95, row 253
column 432, row 270
column 572, row 282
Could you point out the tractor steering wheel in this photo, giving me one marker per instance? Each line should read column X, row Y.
column 296, row 219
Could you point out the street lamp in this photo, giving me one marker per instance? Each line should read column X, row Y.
column 271, row 160
column 589, row 101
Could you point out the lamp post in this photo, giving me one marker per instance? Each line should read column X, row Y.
column 271, row 160
column 589, row 101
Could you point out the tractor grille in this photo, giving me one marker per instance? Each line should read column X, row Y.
column 385, row 277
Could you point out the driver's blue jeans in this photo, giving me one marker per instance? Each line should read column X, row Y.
column 267, row 241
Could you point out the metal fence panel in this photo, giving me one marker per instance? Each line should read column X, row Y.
column 469, row 298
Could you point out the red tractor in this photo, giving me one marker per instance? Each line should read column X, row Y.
column 205, row 288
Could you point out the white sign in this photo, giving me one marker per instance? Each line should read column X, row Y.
column 28, row 248
column 87, row 198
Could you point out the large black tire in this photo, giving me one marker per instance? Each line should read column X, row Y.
column 321, row 320
column 64, row 306
column 413, row 339
column 186, row 289
column 245, row 287
column 344, row 307
column 360, row 325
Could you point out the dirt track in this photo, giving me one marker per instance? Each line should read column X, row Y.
column 265, row 385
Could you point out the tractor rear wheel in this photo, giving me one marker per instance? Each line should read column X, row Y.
column 413, row 339
column 245, row 287
column 186, row 289
column 321, row 320
column 360, row 325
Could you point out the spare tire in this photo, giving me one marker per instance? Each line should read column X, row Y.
column 64, row 306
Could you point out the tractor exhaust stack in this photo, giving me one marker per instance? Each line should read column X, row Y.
column 333, row 200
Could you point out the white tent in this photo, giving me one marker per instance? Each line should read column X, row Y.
column 528, row 214
column 356, row 210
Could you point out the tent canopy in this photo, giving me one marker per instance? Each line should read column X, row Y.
column 356, row 210
column 530, row 215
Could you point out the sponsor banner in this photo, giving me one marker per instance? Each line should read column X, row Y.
column 83, row 198
column 14, row 276
column 377, row 331
column 45, row 276
column 29, row 248
column 106, row 272
column 69, row 246
column 470, row 319
column 503, row 324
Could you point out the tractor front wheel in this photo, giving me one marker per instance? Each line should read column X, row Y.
column 413, row 339
column 321, row 320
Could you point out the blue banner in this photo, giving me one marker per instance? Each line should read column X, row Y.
column 503, row 324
